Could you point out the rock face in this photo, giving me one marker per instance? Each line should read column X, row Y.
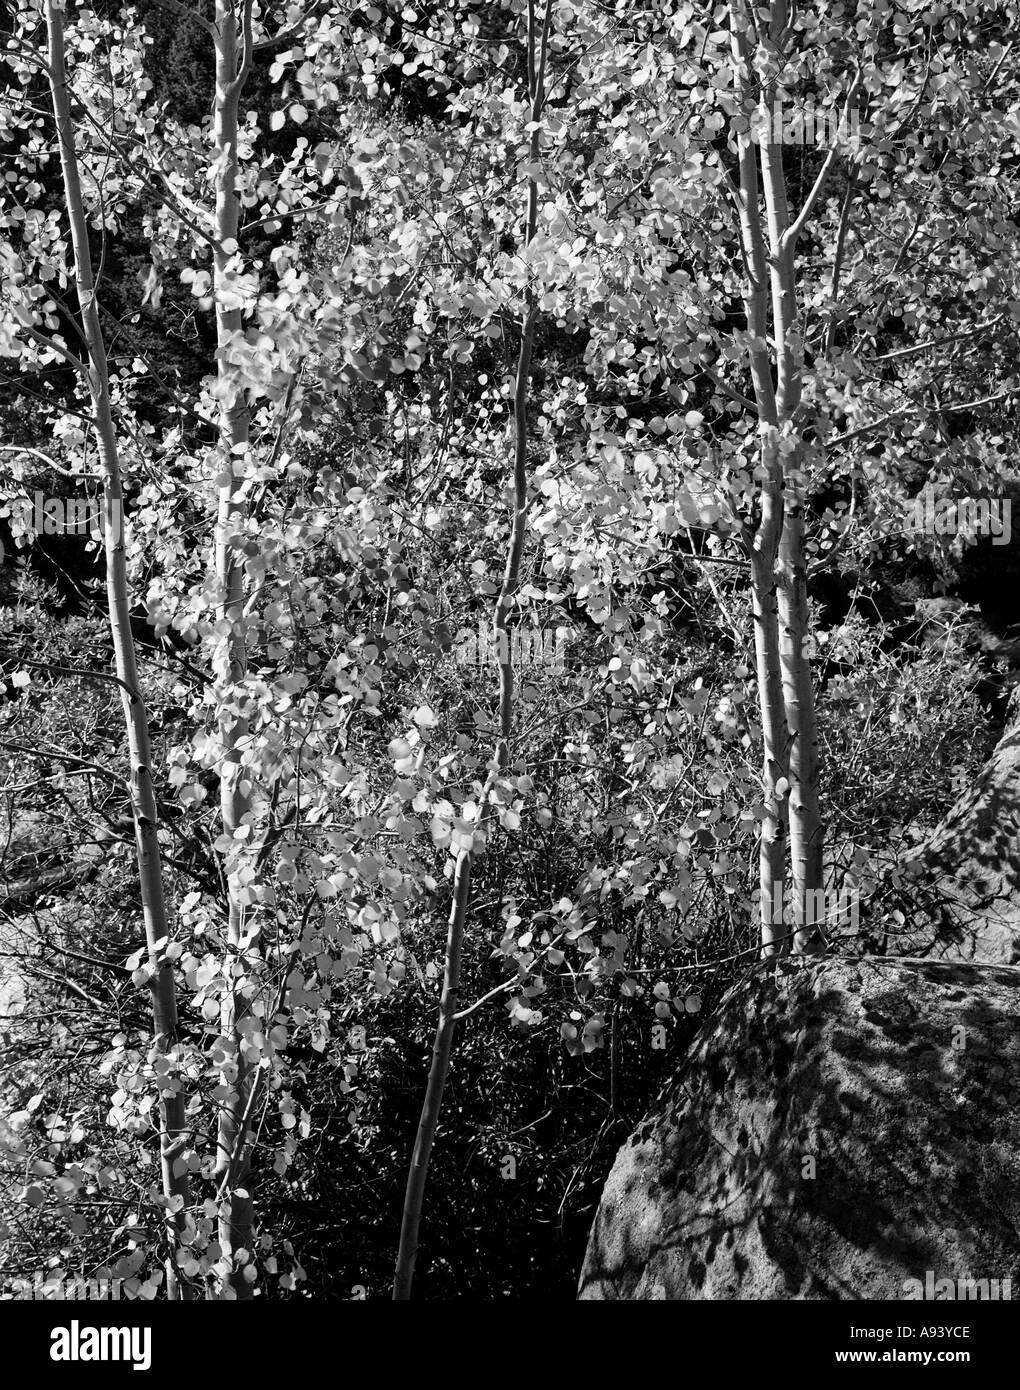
column 964, row 891
column 842, row 1128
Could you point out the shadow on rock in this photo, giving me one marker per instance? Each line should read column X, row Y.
column 844, row 1127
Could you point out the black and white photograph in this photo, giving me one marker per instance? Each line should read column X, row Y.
column 509, row 672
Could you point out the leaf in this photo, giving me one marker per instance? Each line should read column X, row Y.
column 152, row 286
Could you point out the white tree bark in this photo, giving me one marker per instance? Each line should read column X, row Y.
column 172, row 1118
column 233, row 43
column 806, row 831
column 801, row 769
column 763, row 543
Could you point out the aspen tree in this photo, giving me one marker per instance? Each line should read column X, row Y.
column 94, row 370
column 537, row 54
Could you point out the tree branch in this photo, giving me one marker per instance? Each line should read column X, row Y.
column 917, row 410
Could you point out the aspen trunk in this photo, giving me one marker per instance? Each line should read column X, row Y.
column 806, row 833
column 414, row 1195
column 763, row 543
column 775, row 738
column 806, row 829
column 172, row 1120
column 233, row 62
column 418, row 1173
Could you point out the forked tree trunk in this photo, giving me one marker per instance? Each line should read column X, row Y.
column 172, row 1119
column 763, row 542
column 806, row 834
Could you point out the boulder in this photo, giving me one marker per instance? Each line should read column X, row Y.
column 841, row 1130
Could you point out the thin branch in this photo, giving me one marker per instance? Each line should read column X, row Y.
column 54, row 346
column 76, row 671
column 791, row 235
column 64, row 472
column 500, row 989
column 285, row 216
column 247, row 53
column 936, row 342
column 65, row 757
column 906, row 415
column 729, row 391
